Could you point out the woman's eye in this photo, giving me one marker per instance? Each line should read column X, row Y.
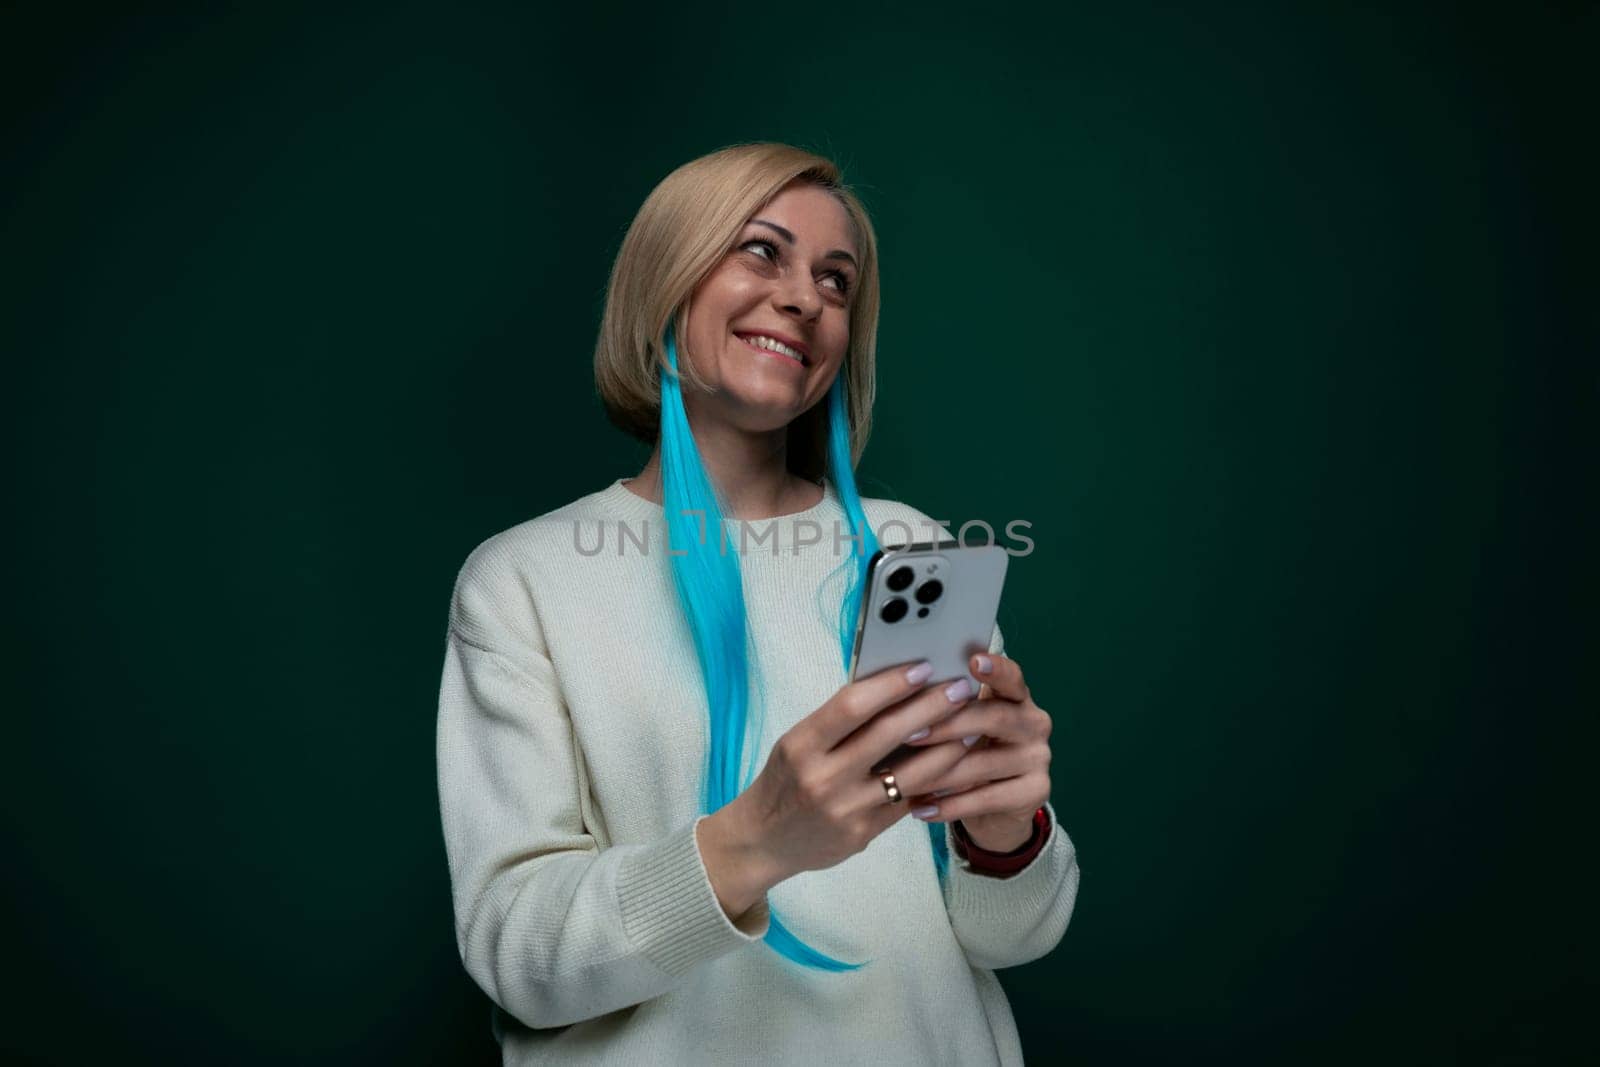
column 768, row 245
column 843, row 283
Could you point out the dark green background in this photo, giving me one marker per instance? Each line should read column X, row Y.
column 1277, row 326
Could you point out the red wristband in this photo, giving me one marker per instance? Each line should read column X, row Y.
column 982, row 859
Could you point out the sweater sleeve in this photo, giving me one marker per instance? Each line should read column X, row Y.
column 1003, row 864
column 553, row 928
column 1004, row 922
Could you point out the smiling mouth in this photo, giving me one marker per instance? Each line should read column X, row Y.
column 776, row 349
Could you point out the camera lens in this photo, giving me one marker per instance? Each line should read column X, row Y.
column 929, row 591
column 900, row 579
column 893, row 610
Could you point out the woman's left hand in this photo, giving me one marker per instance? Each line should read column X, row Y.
column 995, row 788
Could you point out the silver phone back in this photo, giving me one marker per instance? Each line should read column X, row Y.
column 956, row 624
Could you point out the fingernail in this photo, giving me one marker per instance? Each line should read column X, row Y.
column 985, row 664
column 958, row 690
column 970, row 741
column 941, row 792
column 919, row 735
column 927, row 812
column 919, row 673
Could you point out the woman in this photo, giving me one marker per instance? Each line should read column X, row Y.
column 628, row 888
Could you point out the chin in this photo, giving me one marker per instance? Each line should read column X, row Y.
column 762, row 393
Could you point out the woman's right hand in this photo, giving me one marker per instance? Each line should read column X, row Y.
column 817, row 801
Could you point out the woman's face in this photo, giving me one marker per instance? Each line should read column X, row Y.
column 790, row 278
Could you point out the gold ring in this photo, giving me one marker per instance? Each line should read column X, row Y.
column 890, row 788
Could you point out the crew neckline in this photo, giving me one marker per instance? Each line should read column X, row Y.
column 625, row 504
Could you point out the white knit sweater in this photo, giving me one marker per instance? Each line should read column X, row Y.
column 571, row 734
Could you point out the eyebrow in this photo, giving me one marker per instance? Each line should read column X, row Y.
column 837, row 253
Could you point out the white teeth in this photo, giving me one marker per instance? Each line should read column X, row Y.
column 779, row 347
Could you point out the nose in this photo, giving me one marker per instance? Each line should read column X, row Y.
column 796, row 295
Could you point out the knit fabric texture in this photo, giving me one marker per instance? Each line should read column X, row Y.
column 572, row 733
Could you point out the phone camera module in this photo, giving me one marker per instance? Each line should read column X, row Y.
column 893, row 610
column 899, row 579
column 929, row 591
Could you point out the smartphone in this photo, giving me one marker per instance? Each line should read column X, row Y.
column 933, row 601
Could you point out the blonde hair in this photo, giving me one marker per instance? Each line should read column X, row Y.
column 685, row 227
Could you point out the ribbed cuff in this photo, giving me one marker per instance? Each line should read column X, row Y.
column 985, row 896
column 1002, row 864
column 671, row 912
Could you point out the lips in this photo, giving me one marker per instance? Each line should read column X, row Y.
column 794, row 343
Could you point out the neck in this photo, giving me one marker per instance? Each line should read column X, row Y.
column 749, row 469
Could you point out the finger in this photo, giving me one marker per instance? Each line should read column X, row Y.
column 1001, row 674
column 999, row 719
column 1013, row 794
column 891, row 728
column 917, row 773
column 880, row 811
column 860, row 700
column 980, row 766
